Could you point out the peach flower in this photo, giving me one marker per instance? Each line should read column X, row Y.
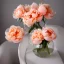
column 29, row 18
column 18, row 12
column 34, row 5
column 37, row 36
column 35, row 14
column 32, row 17
column 42, row 9
column 50, row 13
column 48, row 34
column 46, row 10
column 14, row 34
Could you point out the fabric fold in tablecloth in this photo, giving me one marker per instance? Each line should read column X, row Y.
column 22, row 50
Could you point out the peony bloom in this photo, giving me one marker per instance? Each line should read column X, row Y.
column 46, row 10
column 29, row 18
column 50, row 13
column 14, row 34
column 34, row 6
column 18, row 12
column 37, row 36
column 42, row 9
column 34, row 13
column 32, row 17
column 48, row 34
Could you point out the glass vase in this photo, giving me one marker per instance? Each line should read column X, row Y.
column 40, row 51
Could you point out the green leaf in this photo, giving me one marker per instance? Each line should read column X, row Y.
column 44, row 20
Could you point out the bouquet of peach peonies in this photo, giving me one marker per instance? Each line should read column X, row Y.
column 31, row 16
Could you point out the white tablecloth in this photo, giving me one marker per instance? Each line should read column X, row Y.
column 31, row 58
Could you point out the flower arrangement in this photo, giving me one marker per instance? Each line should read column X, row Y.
column 31, row 16
column 41, row 39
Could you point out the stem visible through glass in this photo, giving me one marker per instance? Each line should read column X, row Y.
column 47, row 49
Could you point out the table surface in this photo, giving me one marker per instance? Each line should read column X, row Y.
column 31, row 58
column 53, row 59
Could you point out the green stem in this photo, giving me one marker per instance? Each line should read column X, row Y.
column 47, row 49
column 39, row 25
column 20, row 20
column 44, row 20
column 32, row 27
column 36, row 26
column 45, row 45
